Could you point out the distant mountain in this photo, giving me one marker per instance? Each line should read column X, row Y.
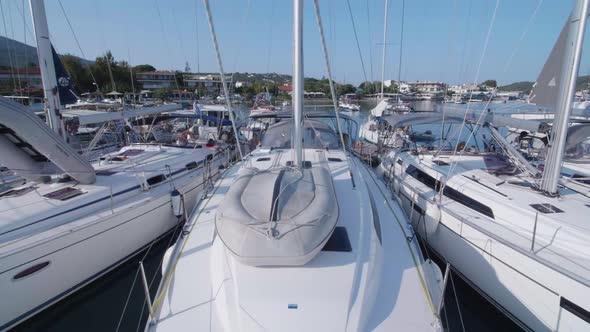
column 517, row 86
column 16, row 54
column 582, row 83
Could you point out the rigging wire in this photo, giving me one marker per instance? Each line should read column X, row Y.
column 164, row 37
column 197, row 36
column 356, row 38
column 522, row 36
column 467, row 33
column 16, row 65
column 487, row 39
column 87, row 65
column 384, row 47
column 106, row 57
column 271, row 21
column 401, row 44
column 222, row 74
column 26, row 48
column 332, row 88
column 370, row 41
column 8, row 46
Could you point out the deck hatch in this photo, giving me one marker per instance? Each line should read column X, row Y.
column 17, row 192
column 64, row 194
column 440, row 163
column 338, row 241
column 546, row 208
column 334, row 159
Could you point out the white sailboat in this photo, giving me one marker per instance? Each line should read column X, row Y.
column 73, row 221
column 520, row 238
column 295, row 239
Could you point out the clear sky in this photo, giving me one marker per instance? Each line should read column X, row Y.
column 443, row 39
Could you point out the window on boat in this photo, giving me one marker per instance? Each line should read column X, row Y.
column 191, row 165
column 338, row 241
column 156, row 179
column 30, row 270
column 449, row 192
column 17, row 192
column 546, row 208
column 468, row 201
column 64, row 193
column 316, row 135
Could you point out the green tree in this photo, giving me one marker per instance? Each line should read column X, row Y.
column 345, row 88
column 490, row 83
column 143, row 68
column 163, row 94
column 79, row 73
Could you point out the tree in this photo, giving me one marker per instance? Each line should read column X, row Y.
column 79, row 73
column 163, row 93
column 490, row 83
column 345, row 88
column 143, row 68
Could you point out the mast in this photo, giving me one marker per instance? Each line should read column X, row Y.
column 570, row 66
column 384, row 48
column 298, row 81
column 48, row 76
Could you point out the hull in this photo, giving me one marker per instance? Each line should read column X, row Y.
column 535, row 295
column 75, row 254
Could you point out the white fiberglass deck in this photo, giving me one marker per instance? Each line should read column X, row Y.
column 562, row 239
column 368, row 288
column 22, row 215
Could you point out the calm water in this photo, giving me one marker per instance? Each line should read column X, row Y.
column 99, row 306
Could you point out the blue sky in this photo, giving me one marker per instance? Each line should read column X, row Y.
column 443, row 39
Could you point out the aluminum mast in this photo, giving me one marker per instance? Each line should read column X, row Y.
column 48, row 76
column 298, row 81
column 570, row 66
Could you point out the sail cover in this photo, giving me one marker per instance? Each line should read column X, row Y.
column 65, row 84
column 546, row 88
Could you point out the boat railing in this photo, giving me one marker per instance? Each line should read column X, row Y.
column 534, row 234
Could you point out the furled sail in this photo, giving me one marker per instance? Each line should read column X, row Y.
column 546, row 88
column 65, row 84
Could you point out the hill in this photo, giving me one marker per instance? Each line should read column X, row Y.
column 16, row 54
column 582, row 83
column 517, row 86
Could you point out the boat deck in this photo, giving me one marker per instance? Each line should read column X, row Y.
column 562, row 234
column 34, row 207
column 330, row 293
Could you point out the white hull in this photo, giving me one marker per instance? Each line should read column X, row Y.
column 372, row 136
column 80, row 251
column 513, row 278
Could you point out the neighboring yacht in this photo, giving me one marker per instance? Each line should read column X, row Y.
column 374, row 130
column 72, row 221
column 63, row 228
column 522, row 238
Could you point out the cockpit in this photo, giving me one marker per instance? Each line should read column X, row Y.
column 316, row 135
